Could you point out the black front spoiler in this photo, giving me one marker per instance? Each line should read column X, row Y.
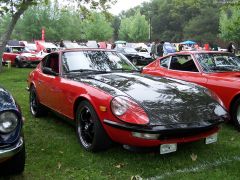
column 183, row 129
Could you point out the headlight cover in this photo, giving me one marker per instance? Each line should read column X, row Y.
column 128, row 111
column 8, row 121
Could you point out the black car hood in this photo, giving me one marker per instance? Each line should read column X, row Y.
column 166, row 101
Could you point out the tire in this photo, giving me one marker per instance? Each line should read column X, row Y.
column 18, row 64
column 15, row 165
column 36, row 108
column 235, row 114
column 89, row 129
column 134, row 61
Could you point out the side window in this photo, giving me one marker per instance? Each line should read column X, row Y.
column 165, row 62
column 51, row 61
column 7, row 49
column 183, row 63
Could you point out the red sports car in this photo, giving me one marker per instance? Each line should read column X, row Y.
column 217, row 71
column 109, row 100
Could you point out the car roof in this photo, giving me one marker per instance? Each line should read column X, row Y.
column 199, row 52
column 85, row 49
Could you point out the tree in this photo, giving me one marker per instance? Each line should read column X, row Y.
column 134, row 28
column 203, row 27
column 17, row 7
column 97, row 28
column 230, row 24
column 116, row 25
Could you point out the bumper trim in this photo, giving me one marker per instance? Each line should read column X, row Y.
column 11, row 151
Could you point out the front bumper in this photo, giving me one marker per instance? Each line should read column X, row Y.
column 123, row 133
column 11, row 151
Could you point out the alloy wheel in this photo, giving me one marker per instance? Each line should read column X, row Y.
column 85, row 126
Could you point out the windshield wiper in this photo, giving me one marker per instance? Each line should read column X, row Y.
column 125, row 70
column 87, row 71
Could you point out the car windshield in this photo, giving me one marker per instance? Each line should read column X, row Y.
column 17, row 49
column 217, row 62
column 92, row 61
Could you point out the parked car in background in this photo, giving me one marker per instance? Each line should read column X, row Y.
column 109, row 100
column 45, row 47
column 20, row 55
column 11, row 52
column 137, row 58
column 168, row 48
column 92, row 44
column 28, row 59
column 31, row 47
column 70, row 45
column 217, row 71
column 12, row 148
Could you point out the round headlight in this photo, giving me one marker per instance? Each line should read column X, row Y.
column 8, row 121
column 128, row 111
column 119, row 106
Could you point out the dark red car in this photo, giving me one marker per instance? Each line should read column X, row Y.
column 20, row 56
column 217, row 71
column 109, row 100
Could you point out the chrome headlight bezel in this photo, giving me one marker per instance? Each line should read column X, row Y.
column 8, row 121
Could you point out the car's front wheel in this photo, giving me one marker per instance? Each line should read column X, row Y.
column 18, row 63
column 36, row 108
column 235, row 113
column 90, row 132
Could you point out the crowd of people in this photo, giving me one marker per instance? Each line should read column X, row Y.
column 161, row 48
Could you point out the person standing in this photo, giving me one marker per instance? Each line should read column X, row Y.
column 159, row 49
column 61, row 44
column 231, row 48
column 153, row 50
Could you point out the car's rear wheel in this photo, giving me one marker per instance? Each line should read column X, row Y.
column 235, row 113
column 36, row 108
column 90, row 132
column 15, row 165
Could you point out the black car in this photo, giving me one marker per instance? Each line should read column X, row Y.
column 137, row 58
column 12, row 148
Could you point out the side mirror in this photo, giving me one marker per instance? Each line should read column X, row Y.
column 49, row 71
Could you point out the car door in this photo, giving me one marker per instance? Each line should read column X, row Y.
column 48, row 84
column 184, row 67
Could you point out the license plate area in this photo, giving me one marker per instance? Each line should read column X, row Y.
column 168, row 148
column 211, row 139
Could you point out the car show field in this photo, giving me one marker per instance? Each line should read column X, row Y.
column 53, row 151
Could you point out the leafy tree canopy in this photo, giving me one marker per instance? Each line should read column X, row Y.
column 134, row 28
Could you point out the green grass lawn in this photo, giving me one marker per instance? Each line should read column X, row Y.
column 53, row 151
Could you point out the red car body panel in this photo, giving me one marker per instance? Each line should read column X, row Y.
column 225, row 84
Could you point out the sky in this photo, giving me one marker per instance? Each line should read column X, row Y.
column 123, row 5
